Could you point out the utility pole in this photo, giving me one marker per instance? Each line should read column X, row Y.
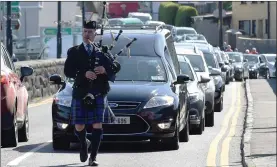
column 9, row 29
column 220, row 6
column 268, row 19
column 83, row 12
column 59, row 35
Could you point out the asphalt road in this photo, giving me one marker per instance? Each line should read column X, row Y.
column 217, row 146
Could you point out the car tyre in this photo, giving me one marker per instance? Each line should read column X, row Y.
column 60, row 143
column 219, row 106
column 184, row 134
column 209, row 122
column 23, row 133
column 173, row 142
column 267, row 75
column 10, row 137
column 200, row 129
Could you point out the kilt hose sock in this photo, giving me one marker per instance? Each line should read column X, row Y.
column 96, row 137
column 82, row 136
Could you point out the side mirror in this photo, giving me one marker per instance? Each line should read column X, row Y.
column 215, row 72
column 220, row 64
column 56, row 79
column 181, row 79
column 204, row 79
column 14, row 59
column 245, row 60
column 26, row 71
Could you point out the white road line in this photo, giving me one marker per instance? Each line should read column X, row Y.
column 16, row 161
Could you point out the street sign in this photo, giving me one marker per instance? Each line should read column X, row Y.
column 15, row 3
column 52, row 31
column 46, row 39
column 15, row 9
column 15, row 15
column 77, row 30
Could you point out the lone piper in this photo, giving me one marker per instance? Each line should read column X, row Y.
column 91, row 69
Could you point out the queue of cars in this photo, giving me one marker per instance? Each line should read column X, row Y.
column 164, row 92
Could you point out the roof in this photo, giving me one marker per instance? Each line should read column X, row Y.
column 139, row 14
column 269, row 54
column 184, row 28
column 180, row 50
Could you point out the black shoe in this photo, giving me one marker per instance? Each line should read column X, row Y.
column 92, row 162
column 84, row 151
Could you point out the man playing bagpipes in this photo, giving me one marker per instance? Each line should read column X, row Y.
column 91, row 69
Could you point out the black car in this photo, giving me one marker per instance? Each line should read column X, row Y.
column 196, row 96
column 254, row 65
column 148, row 97
column 216, row 73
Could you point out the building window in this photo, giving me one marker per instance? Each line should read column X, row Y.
column 254, row 2
column 245, row 25
column 243, row 2
column 266, row 26
column 254, row 27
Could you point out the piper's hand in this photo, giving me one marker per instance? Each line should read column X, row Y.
column 91, row 75
column 99, row 70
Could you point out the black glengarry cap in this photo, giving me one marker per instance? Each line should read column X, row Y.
column 90, row 24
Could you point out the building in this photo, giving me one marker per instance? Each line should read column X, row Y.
column 252, row 18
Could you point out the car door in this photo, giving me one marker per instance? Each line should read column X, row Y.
column 18, row 86
column 263, row 65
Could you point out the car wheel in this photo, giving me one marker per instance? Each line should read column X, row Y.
column 257, row 75
column 184, row 134
column 199, row 130
column 23, row 133
column 267, row 75
column 10, row 137
column 209, row 122
column 219, row 106
column 173, row 143
column 60, row 143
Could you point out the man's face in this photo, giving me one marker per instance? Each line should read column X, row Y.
column 88, row 34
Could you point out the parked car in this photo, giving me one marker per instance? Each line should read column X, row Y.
column 196, row 94
column 254, row 65
column 14, row 102
column 144, row 17
column 194, row 38
column 221, row 65
column 149, row 94
column 199, row 65
column 240, row 66
column 184, row 30
column 269, row 60
column 227, row 62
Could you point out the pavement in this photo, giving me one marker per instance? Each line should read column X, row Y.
column 260, row 132
column 217, row 146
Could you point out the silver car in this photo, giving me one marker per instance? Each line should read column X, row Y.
column 269, row 60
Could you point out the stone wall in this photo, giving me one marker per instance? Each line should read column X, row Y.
column 262, row 45
column 38, row 85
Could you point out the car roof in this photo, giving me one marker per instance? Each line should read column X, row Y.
column 182, row 51
column 269, row 54
column 145, row 38
column 185, row 28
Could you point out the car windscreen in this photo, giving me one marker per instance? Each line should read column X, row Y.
column 209, row 58
column 184, row 31
column 237, row 57
column 185, row 69
column 140, row 68
column 196, row 63
column 142, row 18
column 271, row 58
column 194, row 37
column 251, row 58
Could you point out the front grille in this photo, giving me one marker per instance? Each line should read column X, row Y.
column 121, row 105
column 137, row 125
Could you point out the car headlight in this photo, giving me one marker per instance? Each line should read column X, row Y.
column 193, row 97
column 158, row 101
column 63, row 101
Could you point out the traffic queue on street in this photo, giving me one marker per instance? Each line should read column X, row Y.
column 168, row 88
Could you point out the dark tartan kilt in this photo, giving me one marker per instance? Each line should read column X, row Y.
column 100, row 114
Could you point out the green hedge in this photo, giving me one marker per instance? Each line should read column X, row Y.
column 167, row 12
column 183, row 16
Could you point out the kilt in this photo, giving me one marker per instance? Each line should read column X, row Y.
column 100, row 114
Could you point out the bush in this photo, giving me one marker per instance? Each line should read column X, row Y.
column 183, row 16
column 167, row 12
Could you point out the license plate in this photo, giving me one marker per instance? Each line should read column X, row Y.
column 122, row 120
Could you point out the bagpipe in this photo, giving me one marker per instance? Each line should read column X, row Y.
column 89, row 99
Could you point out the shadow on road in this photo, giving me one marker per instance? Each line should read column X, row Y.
column 105, row 148
column 272, row 84
column 262, row 155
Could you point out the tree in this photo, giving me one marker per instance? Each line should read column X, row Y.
column 183, row 16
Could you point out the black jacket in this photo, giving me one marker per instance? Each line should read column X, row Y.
column 78, row 62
